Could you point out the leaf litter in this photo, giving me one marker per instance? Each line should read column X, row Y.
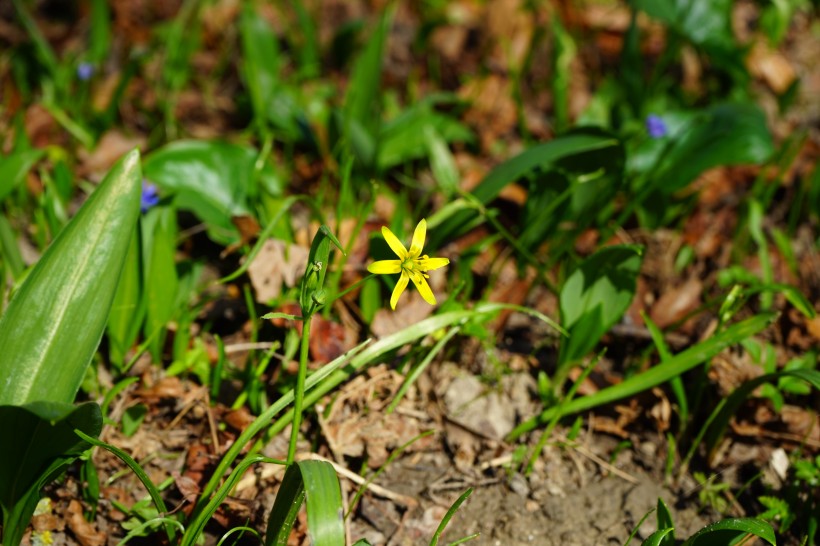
column 470, row 402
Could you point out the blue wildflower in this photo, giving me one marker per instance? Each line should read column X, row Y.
column 655, row 126
column 149, row 197
column 85, row 71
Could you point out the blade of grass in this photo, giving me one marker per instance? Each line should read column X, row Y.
column 316, row 483
column 661, row 373
column 419, row 369
column 545, row 435
column 138, row 471
column 677, row 382
column 201, row 518
column 724, row 412
column 728, row 530
column 449, row 515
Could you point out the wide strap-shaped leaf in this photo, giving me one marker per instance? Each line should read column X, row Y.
column 595, row 296
column 728, row 531
column 316, row 483
column 55, row 321
column 44, row 443
column 541, row 156
column 212, row 180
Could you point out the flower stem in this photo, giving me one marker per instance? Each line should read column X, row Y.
column 299, row 392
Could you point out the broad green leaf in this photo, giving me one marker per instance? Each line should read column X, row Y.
column 725, row 134
column 541, row 156
column 160, row 274
column 729, row 531
column 661, row 537
column 44, row 445
column 286, row 507
column 442, row 162
column 260, row 58
column 363, row 100
column 706, row 24
column 128, row 307
column 100, row 32
column 595, row 296
column 307, row 50
column 54, row 322
column 210, row 179
column 271, row 100
column 14, row 167
column 42, row 48
column 572, row 194
column 10, row 252
column 316, row 483
column 312, row 295
column 665, row 523
column 663, row 372
column 402, row 139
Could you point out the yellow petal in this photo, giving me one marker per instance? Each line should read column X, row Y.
column 418, row 238
column 400, row 286
column 385, row 267
column 429, row 264
column 424, row 288
column 394, row 243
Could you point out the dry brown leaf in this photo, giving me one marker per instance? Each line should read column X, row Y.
column 662, row 411
column 109, row 149
column 492, row 108
column 675, row 304
column 85, row 532
column 510, row 28
column 329, row 339
column 239, row 419
column 41, row 127
column 771, row 66
column 277, row 262
column 167, row 387
column 813, row 327
column 411, row 309
column 187, row 486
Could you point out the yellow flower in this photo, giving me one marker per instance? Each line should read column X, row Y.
column 411, row 264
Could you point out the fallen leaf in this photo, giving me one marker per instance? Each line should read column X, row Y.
column 676, row 303
column 109, row 149
column 329, row 339
column 278, row 262
column 771, row 66
column 85, row 532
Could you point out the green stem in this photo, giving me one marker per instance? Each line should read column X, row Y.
column 299, row 393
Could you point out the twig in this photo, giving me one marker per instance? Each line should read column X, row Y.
column 408, row 502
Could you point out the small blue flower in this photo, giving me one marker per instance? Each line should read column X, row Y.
column 655, row 126
column 149, row 197
column 85, row 71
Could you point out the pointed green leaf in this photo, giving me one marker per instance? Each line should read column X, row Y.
column 55, row 321
column 727, row 531
column 315, row 482
column 663, row 372
column 660, row 537
column 312, row 294
column 14, row 167
column 44, row 444
column 595, row 297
